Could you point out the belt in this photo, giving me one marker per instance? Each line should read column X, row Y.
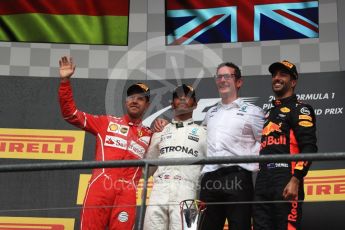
column 229, row 169
column 274, row 165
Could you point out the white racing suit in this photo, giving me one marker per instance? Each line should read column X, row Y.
column 172, row 184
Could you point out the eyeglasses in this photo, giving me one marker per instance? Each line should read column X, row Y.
column 227, row 76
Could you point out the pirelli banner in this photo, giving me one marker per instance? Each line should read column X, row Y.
column 41, row 144
column 34, row 223
column 32, row 130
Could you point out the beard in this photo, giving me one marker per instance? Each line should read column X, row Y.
column 136, row 114
column 282, row 90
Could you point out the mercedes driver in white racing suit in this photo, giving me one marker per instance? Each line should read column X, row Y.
column 182, row 138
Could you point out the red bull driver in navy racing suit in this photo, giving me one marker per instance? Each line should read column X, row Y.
column 289, row 128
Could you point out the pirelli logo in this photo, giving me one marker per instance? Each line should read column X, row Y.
column 41, row 144
column 325, row 185
column 36, row 223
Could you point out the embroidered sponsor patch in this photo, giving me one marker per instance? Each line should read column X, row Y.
column 113, row 127
column 123, row 216
column 193, row 135
column 179, row 148
column 285, row 110
column 243, row 108
column 305, row 117
column 136, row 149
column 300, row 165
column 116, row 142
column 117, row 128
column 166, row 137
column 277, row 165
column 145, row 140
column 140, row 133
column 124, row 130
column 194, row 131
column 305, row 123
column 305, row 111
column 271, row 127
column 193, row 138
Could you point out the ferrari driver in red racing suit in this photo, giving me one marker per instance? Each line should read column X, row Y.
column 110, row 200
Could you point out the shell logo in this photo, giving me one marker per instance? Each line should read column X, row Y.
column 113, row 127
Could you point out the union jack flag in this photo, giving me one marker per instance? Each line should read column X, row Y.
column 223, row 21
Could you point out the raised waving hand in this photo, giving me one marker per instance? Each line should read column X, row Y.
column 67, row 68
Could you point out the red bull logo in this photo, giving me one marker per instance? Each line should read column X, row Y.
column 270, row 128
column 281, row 140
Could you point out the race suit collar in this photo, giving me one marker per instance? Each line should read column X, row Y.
column 180, row 124
column 286, row 100
column 127, row 119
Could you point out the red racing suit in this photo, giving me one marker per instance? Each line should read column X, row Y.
column 110, row 199
column 289, row 128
